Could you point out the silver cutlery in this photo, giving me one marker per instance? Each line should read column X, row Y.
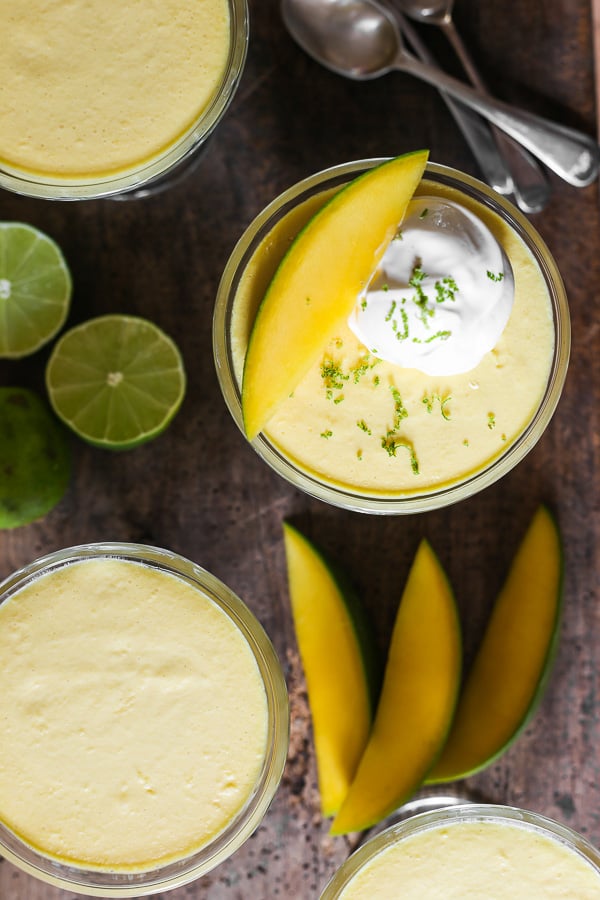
column 361, row 39
column 530, row 186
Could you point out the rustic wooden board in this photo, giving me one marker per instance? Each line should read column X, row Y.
column 200, row 491
column 596, row 23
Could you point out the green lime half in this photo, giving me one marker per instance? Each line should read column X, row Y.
column 35, row 289
column 35, row 462
column 117, row 381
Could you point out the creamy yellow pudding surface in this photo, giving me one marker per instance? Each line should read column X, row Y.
column 90, row 88
column 476, row 861
column 381, row 429
column 134, row 717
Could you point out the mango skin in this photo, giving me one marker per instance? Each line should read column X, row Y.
column 317, row 282
column 417, row 702
column 341, row 667
column 35, row 459
column 514, row 660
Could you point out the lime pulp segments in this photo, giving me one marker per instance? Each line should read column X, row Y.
column 35, row 289
column 117, row 380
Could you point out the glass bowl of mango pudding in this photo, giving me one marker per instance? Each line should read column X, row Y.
column 112, row 99
column 475, row 850
column 145, row 720
column 391, row 336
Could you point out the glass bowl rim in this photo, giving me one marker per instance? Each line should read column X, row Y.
column 103, row 883
column 464, row 812
column 338, row 495
column 159, row 166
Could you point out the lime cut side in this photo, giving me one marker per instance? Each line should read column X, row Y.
column 117, row 381
column 35, row 289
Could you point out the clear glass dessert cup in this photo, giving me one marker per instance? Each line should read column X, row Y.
column 348, row 497
column 470, row 812
column 160, row 171
column 105, row 883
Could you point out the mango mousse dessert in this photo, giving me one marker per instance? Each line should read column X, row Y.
column 144, row 720
column 484, row 852
column 391, row 335
column 93, row 92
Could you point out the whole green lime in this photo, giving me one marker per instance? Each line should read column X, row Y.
column 35, row 462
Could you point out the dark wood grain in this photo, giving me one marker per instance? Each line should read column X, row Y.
column 201, row 491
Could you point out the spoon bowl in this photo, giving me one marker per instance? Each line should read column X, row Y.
column 437, row 12
column 350, row 37
column 530, row 186
column 360, row 39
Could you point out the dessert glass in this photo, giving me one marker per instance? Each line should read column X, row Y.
column 159, row 172
column 347, row 497
column 104, row 883
column 491, row 813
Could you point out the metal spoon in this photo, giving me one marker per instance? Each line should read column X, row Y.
column 530, row 186
column 360, row 39
column 476, row 131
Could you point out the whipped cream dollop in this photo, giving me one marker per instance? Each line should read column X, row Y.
column 442, row 294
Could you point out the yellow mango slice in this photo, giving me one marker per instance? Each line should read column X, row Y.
column 514, row 659
column 318, row 281
column 417, row 702
column 338, row 657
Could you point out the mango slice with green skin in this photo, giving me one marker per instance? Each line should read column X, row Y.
column 417, row 702
column 338, row 655
column 514, row 660
column 35, row 459
column 316, row 284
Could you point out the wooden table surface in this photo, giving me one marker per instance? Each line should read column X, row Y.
column 201, row 491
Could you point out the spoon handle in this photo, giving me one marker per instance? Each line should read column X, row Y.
column 476, row 132
column 530, row 185
column 572, row 155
